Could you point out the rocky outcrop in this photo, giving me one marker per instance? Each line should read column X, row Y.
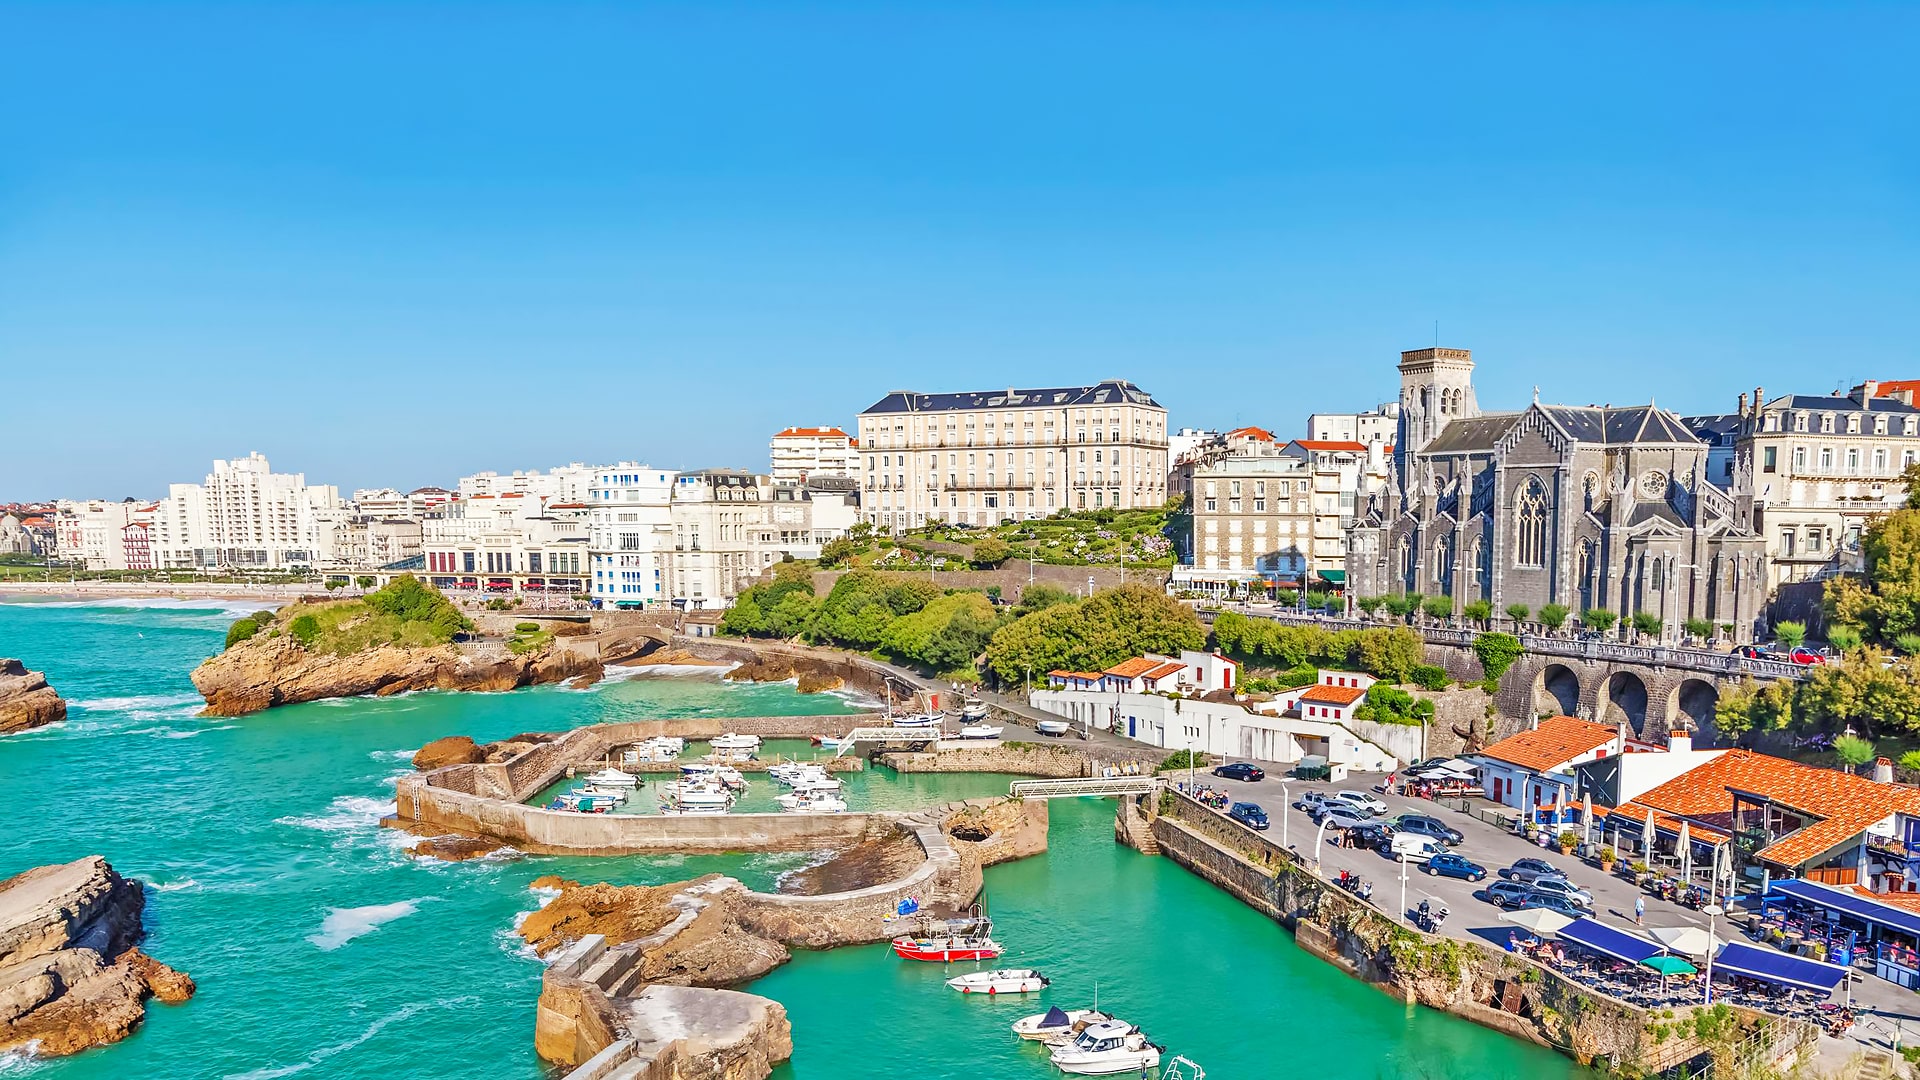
column 266, row 671
column 70, row 974
column 26, row 701
column 452, row 750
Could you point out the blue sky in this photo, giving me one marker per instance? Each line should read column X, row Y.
column 389, row 244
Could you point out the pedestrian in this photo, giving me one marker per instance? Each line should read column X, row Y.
column 1639, row 910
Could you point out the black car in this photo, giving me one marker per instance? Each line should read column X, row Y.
column 1373, row 836
column 1433, row 828
column 1550, row 901
column 1249, row 814
column 1240, row 770
column 1508, row 894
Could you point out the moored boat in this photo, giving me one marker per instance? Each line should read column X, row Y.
column 946, row 949
column 690, row 796
column 973, row 710
column 1056, row 1024
column 612, row 777
column 576, row 803
column 919, row 720
column 981, row 731
column 1106, row 1048
column 1000, row 981
column 730, row 741
column 812, row 802
column 617, row 795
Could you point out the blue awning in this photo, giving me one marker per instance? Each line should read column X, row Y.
column 1755, row 962
column 1601, row 938
column 1848, row 902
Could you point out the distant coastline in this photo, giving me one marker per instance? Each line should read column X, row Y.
column 149, row 590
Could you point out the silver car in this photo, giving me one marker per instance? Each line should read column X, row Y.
column 1566, row 890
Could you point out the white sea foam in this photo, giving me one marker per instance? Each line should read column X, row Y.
column 348, row 813
column 666, row 671
column 325, row 1052
column 344, row 924
column 138, row 702
column 393, row 755
column 20, row 1059
column 43, row 729
column 174, row 886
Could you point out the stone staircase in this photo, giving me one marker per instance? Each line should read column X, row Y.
column 1877, row 1065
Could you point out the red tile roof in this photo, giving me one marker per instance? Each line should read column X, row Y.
column 1890, row 387
column 1090, row 676
column 1331, row 444
column 1128, row 669
column 1171, row 667
column 812, row 433
column 1664, row 822
column 1322, row 694
column 1558, row 740
column 1261, row 434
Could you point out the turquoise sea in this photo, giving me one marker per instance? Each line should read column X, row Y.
column 322, row 950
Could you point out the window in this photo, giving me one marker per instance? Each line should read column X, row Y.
column 1786, row 542
column 1826, row 458
column 1530, row 522
column 1826, row 423
column 1814, row 539
column 1799, row 459
column 1768, row 456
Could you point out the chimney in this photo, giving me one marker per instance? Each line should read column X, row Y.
column 1867, row 391
column 1757, row 399
column 1882, row 771
column 1679, row 741
column 1743, row 404
column 1623, row 735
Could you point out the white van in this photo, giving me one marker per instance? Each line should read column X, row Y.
column 1412, row 847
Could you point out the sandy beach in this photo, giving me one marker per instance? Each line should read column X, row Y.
column 151, row 590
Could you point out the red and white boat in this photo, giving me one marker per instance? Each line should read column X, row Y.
column 946, row 949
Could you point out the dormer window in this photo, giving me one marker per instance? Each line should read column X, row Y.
column 1799, row 421
column 1853, row 425
column 1906, row 426
column 1879, row 425
column 1826, row 423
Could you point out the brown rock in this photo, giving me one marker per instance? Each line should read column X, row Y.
column 814, row 682
column 874, row 862
column 621, row 913
column 170, row 986
column 454, row 848
column 26, row 701
column 452, row 750
column 552, row 881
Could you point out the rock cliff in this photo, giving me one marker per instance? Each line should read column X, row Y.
column 70, row 974
column 26, row 701
column 266, row 671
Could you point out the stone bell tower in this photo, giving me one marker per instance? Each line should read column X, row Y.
column 1436, row 388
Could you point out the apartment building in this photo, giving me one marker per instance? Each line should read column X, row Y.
column 1252, row 519
column 136, row 544
column 509, row 543
column 723, row 535
column 800, row 452
column 984, row 456
column 565, row 483
column 244, row 516
column 1342, row 476
column 630, row 508
column 1381, row 423
column 90, row 531
column 1820, row 467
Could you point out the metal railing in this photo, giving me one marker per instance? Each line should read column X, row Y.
column 1095, row 786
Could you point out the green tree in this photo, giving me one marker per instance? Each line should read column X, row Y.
column 365, row 581
column 1553, row 616
column 1437, row 607
column 1497, row 652
column 1852, row 751
column 1386, row 704
column 1599, row 619
column 1370, row 604
column 945, row 635
column 856, row 612
column 907, row 597
column 792, row 614
column 1908, row 644
column 1791, row 634
column 1754, row 706
column 1910, row 761
column 836, row 552
column 989, row 552
column 1646, row 622
column 1429, row 677
column 406, row 599
column 1391, row 653
column 1843, row 637
column 1477, row 610
column 335, row 583
column 1286, row 597
column 1862, row 692
column 1095, row 633
column 1699, row 629
column 744, row 618
column 1038, row 597
column 1518, row 613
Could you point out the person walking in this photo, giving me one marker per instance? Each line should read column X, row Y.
column 1639, row 910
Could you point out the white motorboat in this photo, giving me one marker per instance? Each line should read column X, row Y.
column 730, row 741
column 1105, row 1048
column 828, row 742
column 812, row 802
column 576, row 803
column 1056, row 1024
column 1000, row 981
column 669, row 744
column 973, row 710
column 695, row 796
column 612, row 777
column 595, row 791
column 1055, row 728
column 981, row 731
column 919, row 720
column 706, row 772
column 804, row 776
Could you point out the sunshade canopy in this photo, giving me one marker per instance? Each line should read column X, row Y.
column 1669, row 965
column 1755, row 962
column 1543, row 921
column 1848, row 902
column 1690, row 940
column 1610, row 941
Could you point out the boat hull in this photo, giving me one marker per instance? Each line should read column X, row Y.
column 1132, row 1063
column 938, row 952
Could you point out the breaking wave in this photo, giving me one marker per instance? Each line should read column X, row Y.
column 348, row 813
column 344, row 924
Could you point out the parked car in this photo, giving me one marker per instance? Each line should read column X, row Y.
column 1508, row 894
column 1752, row 652
column 1311, row 802
column 1561, row 887
column 1249, row 814
column 1805, row 657
column 1335, row 816
column 1422, row 766
column 1367, row 805
column 1374, row 835
column 1527, row 871
column 1427, row 826
column 1240, row 770
column 1551, row 901
column 1410, row 848
column 1450, row 865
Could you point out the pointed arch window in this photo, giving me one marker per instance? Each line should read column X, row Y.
column 1530, row 525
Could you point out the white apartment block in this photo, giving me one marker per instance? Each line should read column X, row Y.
column 1343, row 474
column 92, row 531
column 564, row 483
column 800, row 452
column 724, row 535
column 244, row 516
column 1820, row 468
column 985, row 456
column 1381, row 423
column 510, row 543
column 631, row 535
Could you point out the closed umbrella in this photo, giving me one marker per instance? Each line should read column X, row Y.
column 1586, row 820
column 1542, row 921
column 1686, row 854
column 1688, row 940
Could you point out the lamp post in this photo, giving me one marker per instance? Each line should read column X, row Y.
column 1403, row 890
column 1286, row 813
column 1713, row 912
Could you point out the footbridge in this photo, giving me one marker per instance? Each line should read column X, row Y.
column 911, row 738
column 1095, row 786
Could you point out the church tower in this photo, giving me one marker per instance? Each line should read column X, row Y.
column 1436, row 388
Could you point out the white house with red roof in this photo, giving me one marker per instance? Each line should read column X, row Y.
column 1333, row 696
column 1535, row 768
column 800, row 452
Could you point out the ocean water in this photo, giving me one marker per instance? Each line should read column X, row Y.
column 322, row 950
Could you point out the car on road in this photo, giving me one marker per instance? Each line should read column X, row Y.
column 1507, row 894
column 1422, row 766
column 1752, row 652
column 1365, row 804
column 1249, row 814
column 1311, row 802
column 1335, row 816
column 1410, row 848
column 1805, row 657
column 1527, row 871
column 1561, row 887
column 1537, row 899
column 1427, row 826
column 1451, row 865
column 1240, row 770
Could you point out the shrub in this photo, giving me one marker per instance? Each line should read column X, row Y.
column 1477, row 610
column 1843, row 637
column 1181, row 759
column 1391, row 705
column 1908, row 643
column 1497, row 652
column 989, row 552
column 1568, row 839
column 305, row 629
column 336, row 583
column 1852, row 751
column 1429, row 676
column 1646, row 622
column 499, row 603
column 1370, row 604
column 1286, row 597
column 525, row 627
column 1518, row 613
column 1607, row 854
column 1698, row 628
column 1437, row 607
column 1553, row 616
column 1791, row 634
column 365, row 581
column 242, row 629
column 1599, row 619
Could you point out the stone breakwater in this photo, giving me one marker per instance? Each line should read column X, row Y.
column 635, row 987
column 1044, row 760
column 26, row 701
column 266, row 671
column 71, row 974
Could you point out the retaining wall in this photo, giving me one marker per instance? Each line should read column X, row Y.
column 1020, row 759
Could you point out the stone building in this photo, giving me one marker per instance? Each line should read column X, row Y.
column 1588, row 507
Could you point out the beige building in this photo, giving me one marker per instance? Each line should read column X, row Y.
column 1252, row 518
column 1343, row 475
column 1820, row 468
column 91, row 532
column 800, row 452
column 1382, row 423
column 985, row 456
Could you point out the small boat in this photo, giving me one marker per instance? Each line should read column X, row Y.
column 946, row 949
column 973, row 710
column 1055, row 728
column 617, row 795
column 1056, row 1024
column 696, row 797
column 576, row 803
column 730, row 741
column 804, row 776
column 981, row 731
column 1000, row 981
column 1105, row 1048
column 812, row 802
column 612, row 777
column 828, row 742
column 919, row 720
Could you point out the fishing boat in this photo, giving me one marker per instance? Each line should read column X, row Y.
column 612, row 777
column 730, row 741
column 947, row 949
column 1106, row 1048
column 973, row 710
column 981, row 731
column 812, row 802
column 576, row 803
column 1000, row 981
column 1056, row 1024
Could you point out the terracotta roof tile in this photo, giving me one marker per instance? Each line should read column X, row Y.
column 1260, row 434
column 811, row 432
column 1128, row 669
column 1558, row 740
column 1321, row 694
column 1666, row 822
column 1331, row 444
column 1171, row 667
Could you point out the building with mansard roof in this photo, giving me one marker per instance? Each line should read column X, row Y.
column 1589, row 507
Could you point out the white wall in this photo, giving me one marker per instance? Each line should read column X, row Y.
column 1219, row 728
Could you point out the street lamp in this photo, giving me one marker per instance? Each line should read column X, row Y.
column 1713, row 911
column 1403, row 890
column 1286, row 813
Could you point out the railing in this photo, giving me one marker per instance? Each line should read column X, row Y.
column 1095, row 786
column 1574, row 648
column 908, row 736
